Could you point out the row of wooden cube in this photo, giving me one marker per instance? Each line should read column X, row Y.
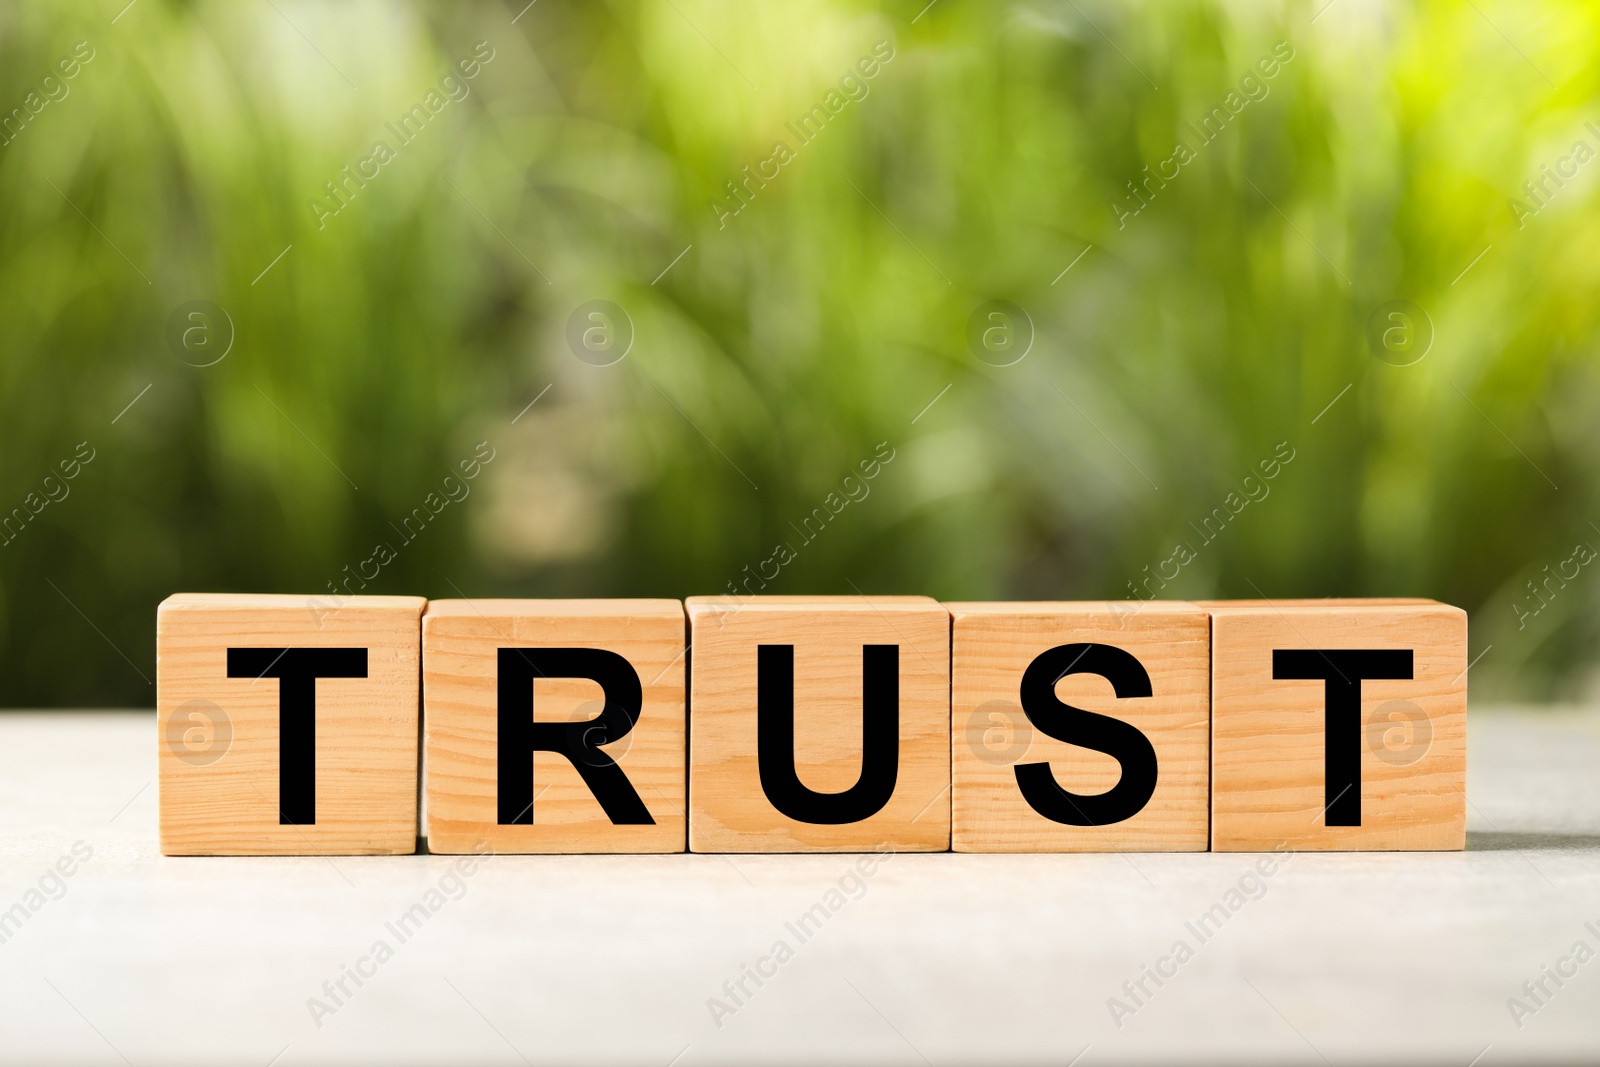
column 795, row 724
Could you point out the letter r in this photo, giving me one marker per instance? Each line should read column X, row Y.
column 520, row 736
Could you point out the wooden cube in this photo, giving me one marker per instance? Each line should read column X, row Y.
column 555, row 725
column 819, row 724
column 288, row 724
column 1081, row 727
column 1338, row 724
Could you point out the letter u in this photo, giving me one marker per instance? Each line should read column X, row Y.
column 880, row 738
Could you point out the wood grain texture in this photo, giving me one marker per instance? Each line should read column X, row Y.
column 993, row 644
column 218, row 762
column 729, row 811
column 461, row 642
column 1268, row 735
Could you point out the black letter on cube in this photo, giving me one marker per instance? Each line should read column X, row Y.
column 1123, row 741
column 297, row 671
column 880, row 738
column 520, row 737
column 1342, row 670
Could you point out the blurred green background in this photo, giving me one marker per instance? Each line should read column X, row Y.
column 1170, row 356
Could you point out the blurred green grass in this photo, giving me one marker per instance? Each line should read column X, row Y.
column 1185, row 344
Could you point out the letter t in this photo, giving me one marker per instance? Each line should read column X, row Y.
column 1342, row 669
column 297, row 671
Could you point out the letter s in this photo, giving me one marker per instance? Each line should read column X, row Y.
column 1120, row 740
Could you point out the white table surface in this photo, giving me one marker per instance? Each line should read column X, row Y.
column 943, row 959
